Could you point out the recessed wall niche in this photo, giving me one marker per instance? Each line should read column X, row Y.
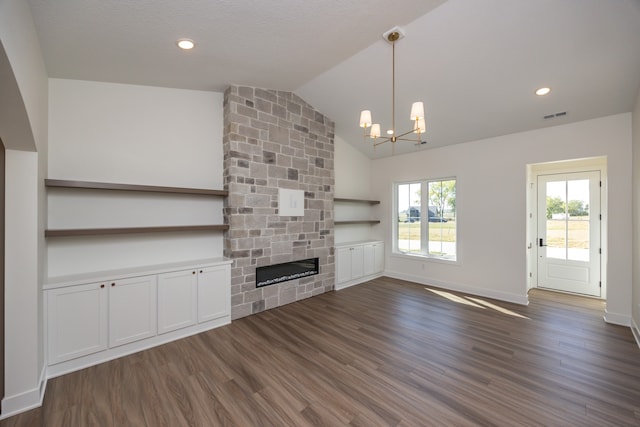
column 275, row 140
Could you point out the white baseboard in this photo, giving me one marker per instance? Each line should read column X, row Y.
column 635, row 330
column 482, row 292
column 31, row 399
column 617, row 318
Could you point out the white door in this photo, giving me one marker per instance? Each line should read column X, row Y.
column 177, row 300
column 214, row 293
column 343, row 265
column 76, row 321
column 568, row 243
column 132, row 310
column 378, row 257
column 357, row 262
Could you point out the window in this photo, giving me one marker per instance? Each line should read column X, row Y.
column 426, row 218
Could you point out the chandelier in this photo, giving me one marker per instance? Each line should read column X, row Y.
column 417, row 108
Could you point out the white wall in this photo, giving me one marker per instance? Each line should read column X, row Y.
column 131, row 134
column 22, row 337
column 491, row 206
column 636, row 214
column 353, row 181
column 24, row 220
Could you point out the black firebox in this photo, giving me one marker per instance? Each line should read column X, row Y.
column 277, row 273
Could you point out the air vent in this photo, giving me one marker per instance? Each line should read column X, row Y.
column 554, row 115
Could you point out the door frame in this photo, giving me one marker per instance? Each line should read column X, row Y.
column 559, row 167
column 2, row 250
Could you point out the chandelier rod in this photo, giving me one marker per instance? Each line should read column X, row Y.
column 393, row 89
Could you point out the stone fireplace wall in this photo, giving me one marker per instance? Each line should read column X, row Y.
column 273, row 139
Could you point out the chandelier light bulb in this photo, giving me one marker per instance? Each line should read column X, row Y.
column 365, row 118
column 417, row 111
column 375, row 130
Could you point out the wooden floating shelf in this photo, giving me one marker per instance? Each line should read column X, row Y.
column 132, row 230
column 371, row 202
column 132, row 187
column 360, row 221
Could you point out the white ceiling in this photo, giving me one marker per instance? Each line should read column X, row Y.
column 474, row 63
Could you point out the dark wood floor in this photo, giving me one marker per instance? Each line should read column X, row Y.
column 385, row 353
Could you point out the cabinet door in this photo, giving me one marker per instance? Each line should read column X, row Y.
column 214, row 292
column 76, row 321
column 177, row 300
column 357, row 262
column 343, row 265
column 132, row 310
column 378, row 257
column 369, row 259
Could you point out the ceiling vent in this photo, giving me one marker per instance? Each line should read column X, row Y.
column 554, row 115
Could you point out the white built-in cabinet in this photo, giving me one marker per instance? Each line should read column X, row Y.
column 127, row 311
column 98, row 316
column 350, row 263
column 357, row 262
column 192, row 296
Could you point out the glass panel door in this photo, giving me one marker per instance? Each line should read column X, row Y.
column 569, row 232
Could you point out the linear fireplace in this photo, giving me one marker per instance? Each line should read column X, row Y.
column 277, row 273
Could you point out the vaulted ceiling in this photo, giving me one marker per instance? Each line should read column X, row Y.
column 475, row 64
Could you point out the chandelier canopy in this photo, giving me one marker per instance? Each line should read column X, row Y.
column 372, row 130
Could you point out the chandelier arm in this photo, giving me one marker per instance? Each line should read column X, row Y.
column 404, row 134
column 375, row 144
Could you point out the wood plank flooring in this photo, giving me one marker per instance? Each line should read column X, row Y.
column 385, row 353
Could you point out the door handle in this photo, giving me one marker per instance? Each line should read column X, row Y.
column 541, row 244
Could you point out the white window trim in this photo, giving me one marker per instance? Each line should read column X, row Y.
column 395, row 252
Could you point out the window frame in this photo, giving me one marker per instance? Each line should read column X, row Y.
column 424, row 231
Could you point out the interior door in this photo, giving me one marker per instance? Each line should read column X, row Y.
column 568, row 244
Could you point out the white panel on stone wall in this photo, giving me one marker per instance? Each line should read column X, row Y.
column 290, row 202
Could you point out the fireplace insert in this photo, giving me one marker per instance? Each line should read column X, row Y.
column 277, row 273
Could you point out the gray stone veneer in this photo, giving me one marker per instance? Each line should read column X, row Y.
column 273, row 139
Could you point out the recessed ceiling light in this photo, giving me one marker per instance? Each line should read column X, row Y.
column 543, row 91
column 186, row 44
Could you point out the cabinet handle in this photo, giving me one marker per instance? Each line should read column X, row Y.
column 193, row 272
column 102, row 286
column 113, row 284
column 200, row 271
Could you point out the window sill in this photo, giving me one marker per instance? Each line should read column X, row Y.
column 421, row 257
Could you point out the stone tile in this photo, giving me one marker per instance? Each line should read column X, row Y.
column 254, row 295
column 258, row 306
column 245, row 92
column 239, row 311
column 265, row 94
